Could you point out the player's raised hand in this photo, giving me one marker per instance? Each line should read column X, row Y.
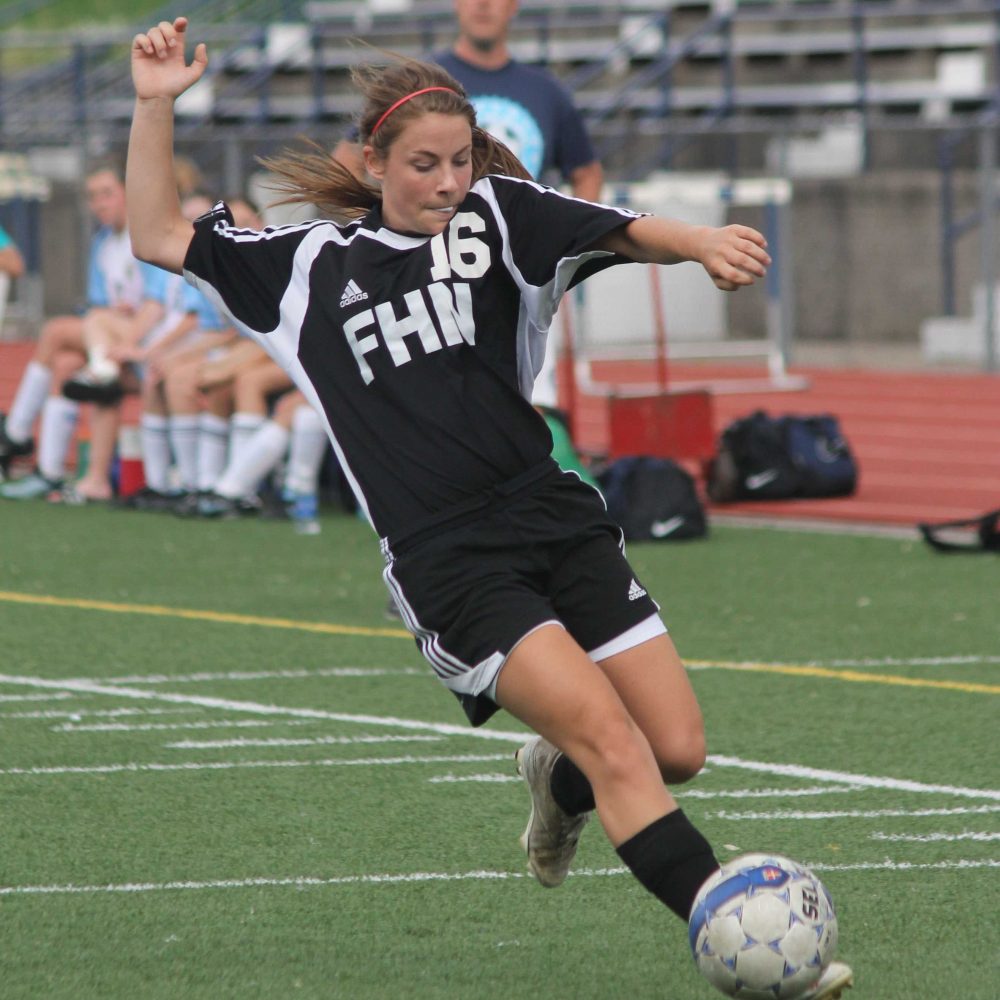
column 734, row 256
column 159, row 68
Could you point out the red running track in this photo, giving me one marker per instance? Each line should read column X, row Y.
column 927, row 444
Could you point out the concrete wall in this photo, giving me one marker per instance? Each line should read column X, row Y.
column 867, row 257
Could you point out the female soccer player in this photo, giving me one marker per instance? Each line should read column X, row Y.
column 416, row 331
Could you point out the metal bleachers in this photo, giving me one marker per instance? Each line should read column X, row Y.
column 651, row 77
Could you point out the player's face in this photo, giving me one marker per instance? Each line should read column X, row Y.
column 425, row 174
column 106, row 199
column 483, row 23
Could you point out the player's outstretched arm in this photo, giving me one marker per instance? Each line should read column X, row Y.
column 160, row 74
column 733, row 256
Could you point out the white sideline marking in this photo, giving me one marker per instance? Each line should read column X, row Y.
column 915, row 661
column 487, row 779
column 304, row 881
column 930, row 838
column 788, row 770
column 108, row 713
column 55, row 696
column 315, row 741
column 260, row 675
column 907, row 866
column 844, row 777
column 688, row 793
column 145, row 727
column 261, row 709
column 232, row 765
column 854, row 813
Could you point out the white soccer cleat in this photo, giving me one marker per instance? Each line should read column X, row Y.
column 836, row 978
column 551, row 836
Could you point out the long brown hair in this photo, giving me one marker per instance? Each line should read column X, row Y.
column 312, row 175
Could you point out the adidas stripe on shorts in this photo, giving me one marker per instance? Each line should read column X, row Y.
column 540, row 549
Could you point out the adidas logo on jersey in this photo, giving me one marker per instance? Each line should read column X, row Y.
column 635, row 591
column 352, row 294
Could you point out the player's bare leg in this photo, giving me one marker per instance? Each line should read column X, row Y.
column 653, row 685
column 551, row 684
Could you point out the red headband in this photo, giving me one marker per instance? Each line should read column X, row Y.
column 409, row 97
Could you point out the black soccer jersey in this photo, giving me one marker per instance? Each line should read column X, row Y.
column 420, row 351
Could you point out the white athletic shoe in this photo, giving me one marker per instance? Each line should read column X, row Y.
column 551, row 835
column 836, row 978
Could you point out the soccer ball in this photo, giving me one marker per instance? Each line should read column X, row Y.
column 763, row 928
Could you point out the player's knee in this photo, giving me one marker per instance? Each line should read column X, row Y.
column 63, row 365
column 614, row 752
column 681, row 755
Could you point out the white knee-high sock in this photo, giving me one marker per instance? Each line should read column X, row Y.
column 28, row 401
column 155, row 451
column 213, row 442
column 257, row 458
column 54, row 435
column 308, row 448
column 182, row 429
column 242, row 427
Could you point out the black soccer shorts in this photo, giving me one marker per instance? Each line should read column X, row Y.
column 545, row 553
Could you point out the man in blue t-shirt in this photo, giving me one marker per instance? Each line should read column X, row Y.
column 523, row 106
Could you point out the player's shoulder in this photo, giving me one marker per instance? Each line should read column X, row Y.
column 505, row 189
column 220, row 220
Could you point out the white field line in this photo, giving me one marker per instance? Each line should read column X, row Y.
column 851, row 813
column 260, row 675
column 844, row 777
column 932, row 838
column 316, row 741
column 132, row 767
column 256, row 708
column 307, row 881
column 449, row 729
column 907, row 866
column 916, row 661
column 145, row 727
column 484, row 779
column 687, row 793
column 106, row 713
column 55, row 696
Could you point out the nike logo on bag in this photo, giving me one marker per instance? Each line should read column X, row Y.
column 660, row 529
column 761, row 479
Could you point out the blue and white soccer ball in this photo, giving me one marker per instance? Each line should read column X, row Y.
column 763, row 928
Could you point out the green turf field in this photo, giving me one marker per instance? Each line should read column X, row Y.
column 226, row 775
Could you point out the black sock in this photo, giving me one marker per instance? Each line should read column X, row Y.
column 570, row 787
column 671, row 859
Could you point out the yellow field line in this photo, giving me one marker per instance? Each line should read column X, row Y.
column 325, row 628
column 204, row 616
column 853, row 676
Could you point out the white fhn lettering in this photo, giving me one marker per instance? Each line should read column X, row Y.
column 359, row 348
column 439, row 315
column 454, row 316
column 447, row 317
column 418, row 322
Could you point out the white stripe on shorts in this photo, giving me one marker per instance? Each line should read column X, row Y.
column 647, row 629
